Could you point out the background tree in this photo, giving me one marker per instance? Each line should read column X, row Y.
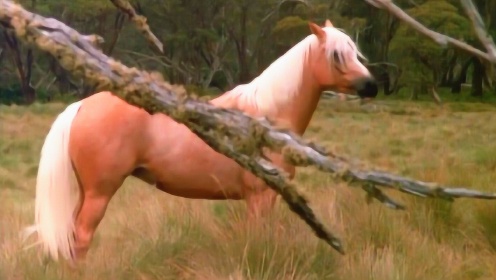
column 214, row 45
column 425, row 63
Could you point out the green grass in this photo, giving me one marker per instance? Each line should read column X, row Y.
column 147, row 234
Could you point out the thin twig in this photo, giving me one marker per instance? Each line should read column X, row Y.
column 139, row 21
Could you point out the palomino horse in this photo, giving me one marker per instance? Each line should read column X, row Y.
column 97, row 142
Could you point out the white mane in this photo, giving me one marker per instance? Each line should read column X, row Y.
column 279, row 83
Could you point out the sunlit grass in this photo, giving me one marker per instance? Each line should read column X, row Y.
column 147, row 234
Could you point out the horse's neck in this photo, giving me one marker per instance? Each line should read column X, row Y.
column 297, row 113
column 294, row 113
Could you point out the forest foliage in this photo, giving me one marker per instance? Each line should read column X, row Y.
column 213, row 45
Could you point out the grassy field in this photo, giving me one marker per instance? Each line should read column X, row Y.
column 147, row 234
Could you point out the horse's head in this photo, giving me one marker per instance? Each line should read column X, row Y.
column 336, row 64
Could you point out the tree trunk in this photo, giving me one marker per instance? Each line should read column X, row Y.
column 415, row 92
column 477, row 77
column 391, row 23
column 2, row 52
column 28, row 91
column 386, row 80
column 456, row 86
column 24, row 70
column 447, row 77
column 244, row 73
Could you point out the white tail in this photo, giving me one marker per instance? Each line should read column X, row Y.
column 57, row 192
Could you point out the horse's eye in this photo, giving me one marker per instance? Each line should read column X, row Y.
column 337, row 57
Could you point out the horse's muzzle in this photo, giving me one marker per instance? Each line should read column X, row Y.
column 366, row 87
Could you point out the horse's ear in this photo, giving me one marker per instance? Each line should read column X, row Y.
column 318, row 31
column 328, row 23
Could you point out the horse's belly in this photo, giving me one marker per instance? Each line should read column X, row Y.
column 184, row 165
column 201, row 185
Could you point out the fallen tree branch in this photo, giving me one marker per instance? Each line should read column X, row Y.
column 229, row 132
column 140, row 22
column 442, row 39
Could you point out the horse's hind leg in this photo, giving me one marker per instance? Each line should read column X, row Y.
column 97, row 193
column 106, row 141
column 99, row 179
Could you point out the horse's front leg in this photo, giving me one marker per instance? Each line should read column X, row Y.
column 260, row 202
column 260, row 198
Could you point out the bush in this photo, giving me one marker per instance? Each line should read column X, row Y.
column 12, row 95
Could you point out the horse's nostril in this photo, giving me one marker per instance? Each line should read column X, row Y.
column 366, row 88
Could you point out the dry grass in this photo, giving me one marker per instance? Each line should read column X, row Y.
column 151, row 235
